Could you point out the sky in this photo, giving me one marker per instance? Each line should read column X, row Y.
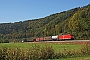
column 22, row 10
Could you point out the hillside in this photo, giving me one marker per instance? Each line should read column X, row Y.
column 75, row 21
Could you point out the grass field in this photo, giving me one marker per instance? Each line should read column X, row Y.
column 76, row 58
column 54, row 46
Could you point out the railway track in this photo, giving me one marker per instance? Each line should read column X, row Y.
column 70, row 41
column 66, row 42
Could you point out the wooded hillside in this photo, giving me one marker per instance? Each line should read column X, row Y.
column 75, row 21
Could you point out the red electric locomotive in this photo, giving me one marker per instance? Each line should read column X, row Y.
column 66, row 37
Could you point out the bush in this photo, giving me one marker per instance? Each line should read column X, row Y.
column 85, row 50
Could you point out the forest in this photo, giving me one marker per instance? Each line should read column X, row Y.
column 75, row 21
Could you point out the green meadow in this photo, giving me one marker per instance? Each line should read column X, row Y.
column 40, row 51
column 54, row 46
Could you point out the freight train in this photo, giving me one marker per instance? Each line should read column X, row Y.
column 55, row 38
